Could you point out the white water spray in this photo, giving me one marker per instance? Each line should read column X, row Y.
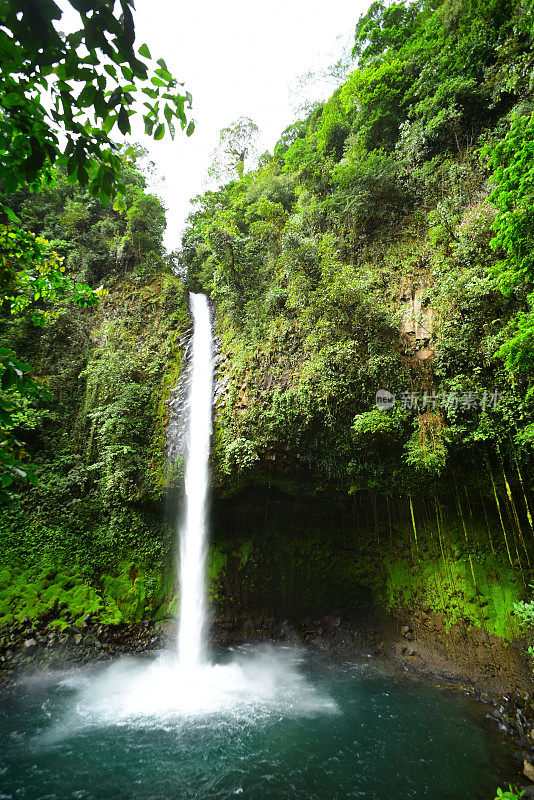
column 193, row 530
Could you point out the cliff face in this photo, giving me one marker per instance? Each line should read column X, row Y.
column 419, row 544
column 371, row 573
column 374, row 252
column 314, row 514
column 325, row 503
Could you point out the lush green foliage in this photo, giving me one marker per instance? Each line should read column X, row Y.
column 513, row 160
column 60, row 98
column 525, row 612
column 366, row 253
column 31, row 281
column 97, row 429
column 512, row 793
column 93, row 77
column 89, row 242
column 16, row 386
column 373, row 218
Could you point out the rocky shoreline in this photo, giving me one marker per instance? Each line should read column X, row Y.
column 27, row 647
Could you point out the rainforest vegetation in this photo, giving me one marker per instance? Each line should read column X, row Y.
column 387, row 243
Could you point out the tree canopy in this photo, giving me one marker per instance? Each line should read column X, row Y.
column 236, row 150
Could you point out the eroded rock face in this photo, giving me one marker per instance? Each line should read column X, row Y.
column 417, row 319
column 31, row 646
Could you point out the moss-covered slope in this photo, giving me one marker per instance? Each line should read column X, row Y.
column 91, row 538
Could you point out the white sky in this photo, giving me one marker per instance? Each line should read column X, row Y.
column 237, row 58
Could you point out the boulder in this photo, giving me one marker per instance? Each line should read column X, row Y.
column 332, row 621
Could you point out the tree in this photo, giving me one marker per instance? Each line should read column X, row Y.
column 236, row 150
column 61, row 97
column 145, row 228
column 384, row 29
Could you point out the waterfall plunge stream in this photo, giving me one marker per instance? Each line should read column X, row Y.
column 193, row 530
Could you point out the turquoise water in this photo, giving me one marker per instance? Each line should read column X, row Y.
column 268, row 726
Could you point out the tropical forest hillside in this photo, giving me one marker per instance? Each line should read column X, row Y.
column 386, row 244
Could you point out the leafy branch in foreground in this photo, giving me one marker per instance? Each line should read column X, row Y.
column 61, row 96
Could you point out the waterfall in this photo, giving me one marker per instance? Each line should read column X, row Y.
column 182, row 683
column 192, row 539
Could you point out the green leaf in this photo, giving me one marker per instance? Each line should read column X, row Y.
column 115, row 97
column 83, row 176
column 159, row 133
column 164, row 75
column 120, row 203
column 87, row 96
column 10, row 214
column 152, row 93
column 144, row 51
column 109, row 122
column 123, row 121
